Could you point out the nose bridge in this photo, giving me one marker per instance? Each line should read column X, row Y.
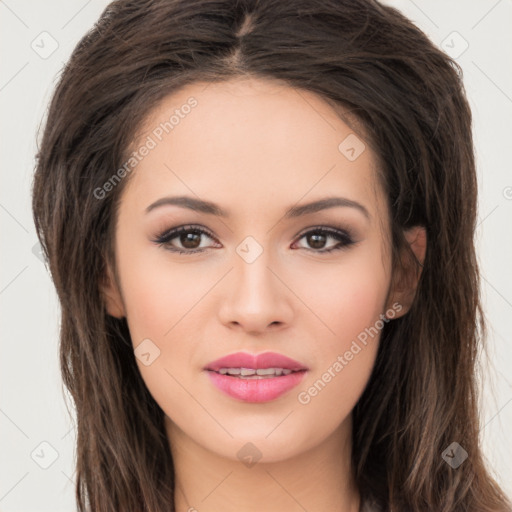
column 255, row 297
column 252, row 273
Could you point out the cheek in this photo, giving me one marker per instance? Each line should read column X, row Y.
column 349, row 299
column 160, row 298
column 158, row 293
column 357, row 305
column 351, row 305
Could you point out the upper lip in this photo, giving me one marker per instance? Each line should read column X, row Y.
column 255, row 361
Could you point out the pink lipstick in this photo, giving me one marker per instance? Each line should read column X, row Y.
column 255, row 377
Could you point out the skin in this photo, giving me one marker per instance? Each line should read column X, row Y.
column 255, row 148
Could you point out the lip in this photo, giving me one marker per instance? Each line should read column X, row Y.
column 255, row 361
column 255, row 390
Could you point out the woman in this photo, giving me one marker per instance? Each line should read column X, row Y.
column 259, row 219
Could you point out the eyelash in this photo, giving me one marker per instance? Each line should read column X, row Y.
column 343, row 236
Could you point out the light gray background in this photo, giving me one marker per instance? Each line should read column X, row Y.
column 32, row 408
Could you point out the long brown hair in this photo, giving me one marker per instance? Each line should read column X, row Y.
column 409, row 98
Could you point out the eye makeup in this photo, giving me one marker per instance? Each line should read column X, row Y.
column 190, row 233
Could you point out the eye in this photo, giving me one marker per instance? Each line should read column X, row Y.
column 189, row 239
column 188, row 236
column 317, row 239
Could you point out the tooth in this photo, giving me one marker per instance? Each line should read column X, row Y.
column 265, row 371
column 247, row 371
column 255, row 373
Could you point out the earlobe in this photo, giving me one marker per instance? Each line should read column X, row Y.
column 111, row 295
column 406, row 277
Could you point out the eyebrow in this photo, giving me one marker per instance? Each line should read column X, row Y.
column 202, row 206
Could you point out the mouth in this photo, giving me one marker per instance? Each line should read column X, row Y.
column 244, row 364
column 255, row 378
column 253, row 373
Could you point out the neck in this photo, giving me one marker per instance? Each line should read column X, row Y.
column 320, row 478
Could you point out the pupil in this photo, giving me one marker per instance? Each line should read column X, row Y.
column 319, row 241
column 187, row 239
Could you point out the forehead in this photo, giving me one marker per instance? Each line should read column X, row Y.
column 250, row 141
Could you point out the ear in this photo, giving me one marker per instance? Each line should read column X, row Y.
column 408, row 271
column 111, row 295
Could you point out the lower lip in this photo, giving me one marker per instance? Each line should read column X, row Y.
column 256, row 390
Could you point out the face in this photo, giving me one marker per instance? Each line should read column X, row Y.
column 266, row 276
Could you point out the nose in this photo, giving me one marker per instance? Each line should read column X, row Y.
column 255, row 297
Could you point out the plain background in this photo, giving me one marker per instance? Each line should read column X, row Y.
column 37, row 437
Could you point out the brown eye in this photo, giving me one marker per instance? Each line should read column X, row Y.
column 317, row 239
column 190, row 240
column 188, row 237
